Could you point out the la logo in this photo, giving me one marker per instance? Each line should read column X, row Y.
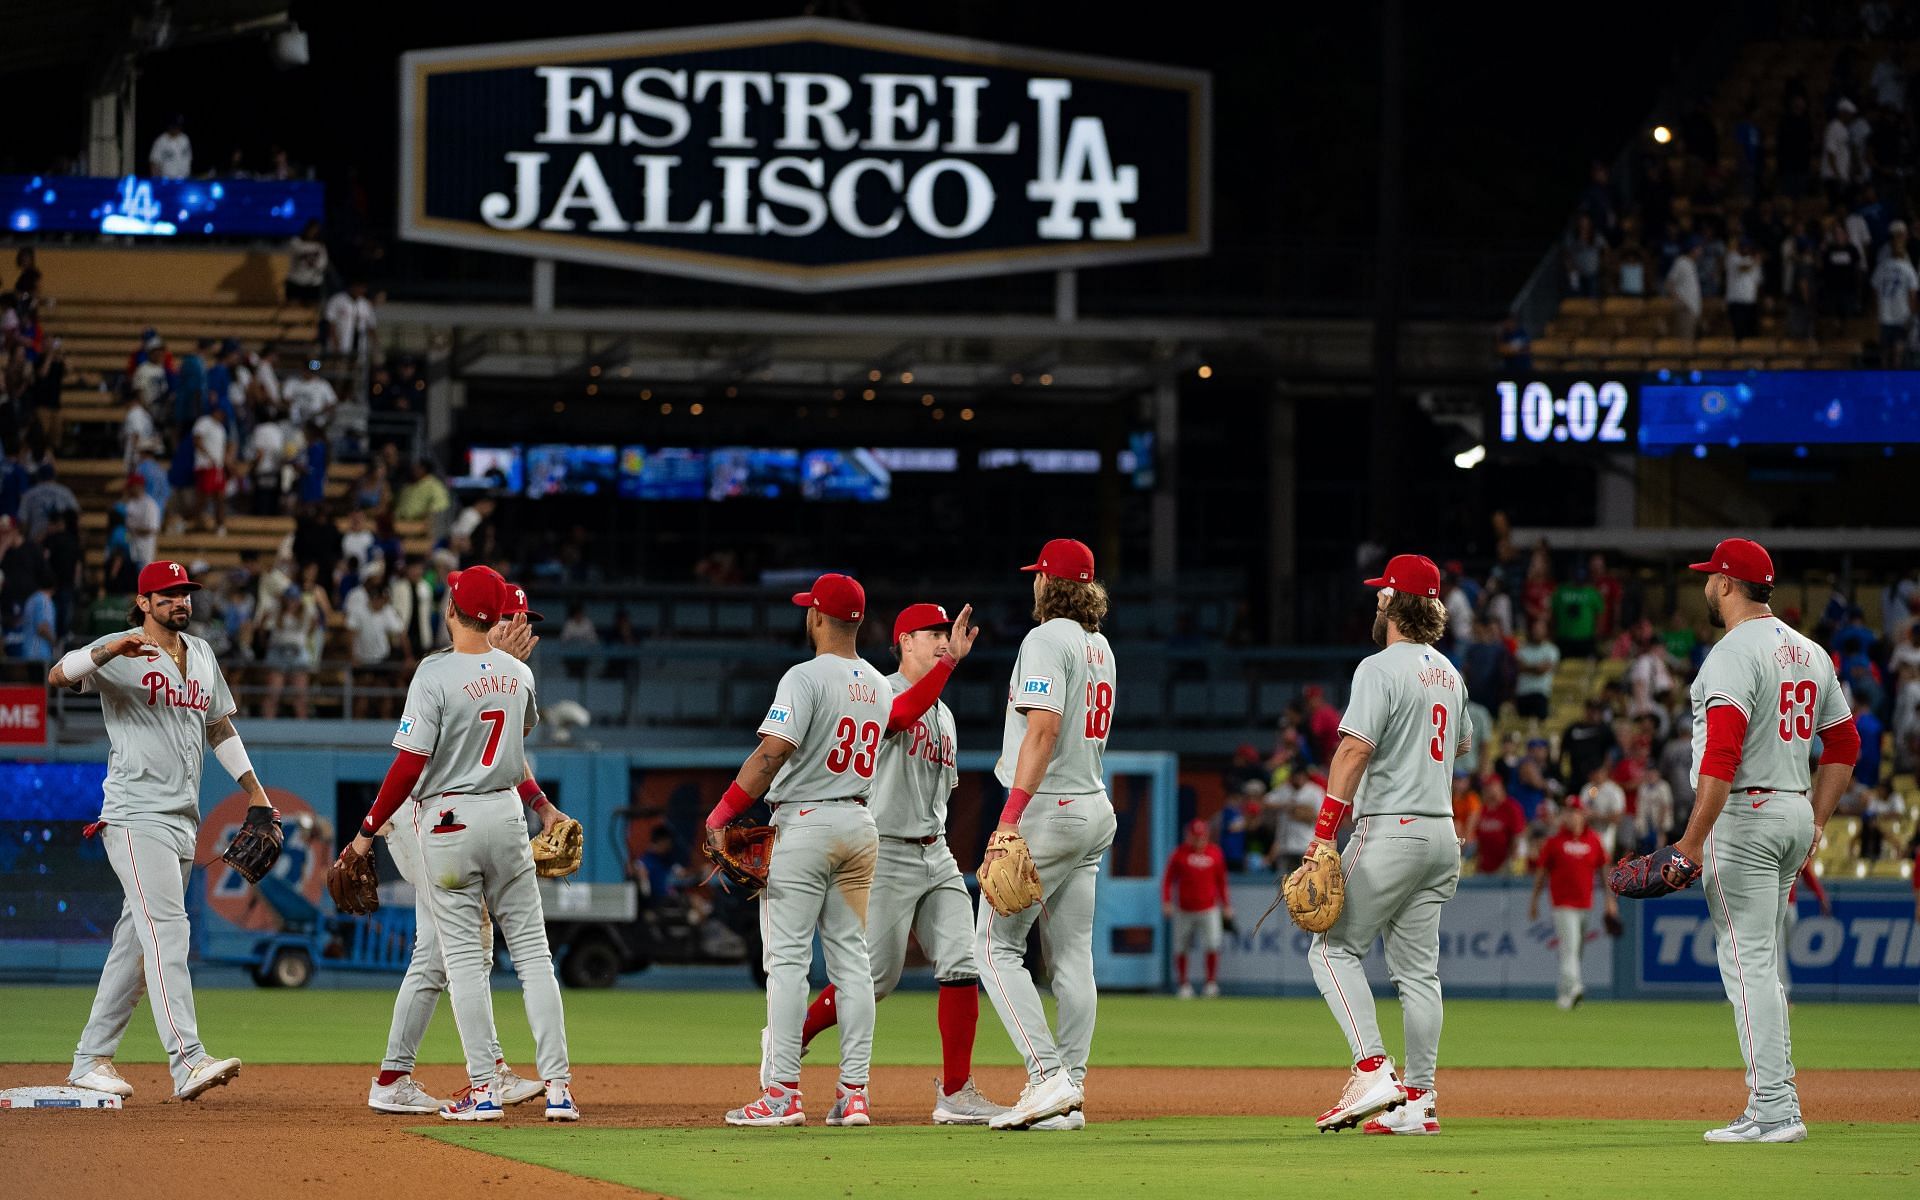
column 1081, row 173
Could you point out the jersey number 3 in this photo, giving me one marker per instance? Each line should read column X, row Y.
column 854, row 747
column 1796, row 709
column 1438, row 747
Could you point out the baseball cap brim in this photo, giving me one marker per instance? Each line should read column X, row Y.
column 1375, row 583
column 1707, row 567
column 803, row 599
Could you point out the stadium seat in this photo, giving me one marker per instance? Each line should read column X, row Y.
column 1672, row 347
column 1190, row 700
column 1227, row 701
column 1580, row 306
column 1592, row 347
column 699, row 700
column 691, row 616
column 653, row 702
column 1634, row 347
column 733, row 617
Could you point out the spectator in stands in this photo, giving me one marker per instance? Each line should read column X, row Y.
column 20, row 567
column 1498, row 835
column 1588, row 744
column 40, row 639
column 1466, row 804
column 1577, row 606
column 39, row 503
column 413, row 599
column 26, row 285
column 1884, row 807
column 1836, row 151
column 1486, row 666
column 1840, row 272
column 307, row 266
column 357, row 542
column 1514, row 345
column 1597, row 202
column 61, row 547
column 210, row 469
column 370, row 491
column 658, row 871
column 263, row 386
column 1653, row 824
column 136, row 429
column 1866, row 771
column 379, row 636
column 311, row 464
column 1612, row 593
column 352, row 327
column 1480, row 748
column 1496, row 605
column 1750, row 146
column 579, row 629
column 1537, row 661
column 1683, row 288
column 172, row 153
column 424, row 498
column 1580, row 254
column 310, row 399
column 1649, row 680
column 1294, row 805
column 142, row 516
column 1744, row 272
column 1323, row 723
column 266, row 458
column 1459, row 601
column 1897, row 286
column 294, row 627
column 316, row 541
column 1605, row 804
column 464, row 536
column 1631, row 277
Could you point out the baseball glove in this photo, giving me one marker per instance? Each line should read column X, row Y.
column 257, row 846
column 352, row 883
column 1661, row 873
column 1010, row 883
column 556, row 851
column 741, row 852
column 1615, row 926
column 1315, row 891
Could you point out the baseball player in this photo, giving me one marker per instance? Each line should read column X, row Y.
column 1760, row 698
column 916, row 884
column 462, row 750
column 820, row 748
column 1405, row 722
column 1059, row 715
column 166, row 703
column 1198, row 872
column 394, row 1090
column 1570, row 861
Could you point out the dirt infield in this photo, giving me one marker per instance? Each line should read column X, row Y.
column 307, row 1130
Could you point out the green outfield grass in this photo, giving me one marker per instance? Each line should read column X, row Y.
column 1220, row 1156
column 721, row 1028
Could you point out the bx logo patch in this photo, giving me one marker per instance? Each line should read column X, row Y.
column 406, row 726
column 779, row 715
column 1037, row 685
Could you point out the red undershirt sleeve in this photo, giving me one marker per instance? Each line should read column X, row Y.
column 909, row 706
column 1726, row 734
column 394, row 790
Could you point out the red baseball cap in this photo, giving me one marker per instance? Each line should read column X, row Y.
column 1573, row 804
column 838, row 596
column 1414, row 573
column 1739, row 558
column 163, row 575
column 1064, row 558
column 479, row 592
column 517, row 604
column 1196, row 826
column 915, row 617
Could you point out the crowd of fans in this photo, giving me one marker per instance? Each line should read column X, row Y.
column 1628, row 753
column 1808, row 217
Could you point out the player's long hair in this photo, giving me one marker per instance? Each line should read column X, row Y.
column 1419, row 618
column 1085, row 603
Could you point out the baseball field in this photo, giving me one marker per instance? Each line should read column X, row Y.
column 1214, row 1096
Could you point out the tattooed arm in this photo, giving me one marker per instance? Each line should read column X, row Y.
column 76, row 666
column 755, row 777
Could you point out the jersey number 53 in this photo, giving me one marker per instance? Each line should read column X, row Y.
column 855, row 746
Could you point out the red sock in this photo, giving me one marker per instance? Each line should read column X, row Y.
column 1213, row 966
column 821, row 1014
column 1180, row 968
column 389, row 1078
column 959, row 1018
column 1373, row 1063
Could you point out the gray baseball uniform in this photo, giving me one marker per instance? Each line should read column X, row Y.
column 1784, row 684
column 1403, row 861
column 916, row 884
column 834, row 710
column 157, row 725
column 470, row 713
column 1068, row 827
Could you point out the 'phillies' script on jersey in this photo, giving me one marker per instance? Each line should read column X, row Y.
column 160, row 689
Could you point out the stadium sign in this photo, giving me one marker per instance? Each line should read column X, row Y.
column 805, row 154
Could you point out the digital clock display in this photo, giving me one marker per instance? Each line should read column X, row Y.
column 1565, row 410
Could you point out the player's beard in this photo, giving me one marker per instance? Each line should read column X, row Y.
column 1714, row 617
column 177, row 620
column 1380, row 628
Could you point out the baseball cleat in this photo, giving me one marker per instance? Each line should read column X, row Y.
column 101, row 1077
column 1064, row 1123
column 965, row 1107
column 777, row 1106
column 1367, row 1093
column 849, row 1106
column 1185, row 992
column 472, row 1104
column 1040, row 1099
column 509, row 1088
column 403, row 1095
column 211, row 1073
column 1416, row 1116
column 560, row 1105
column 1746, row 1129
column 1212, row 990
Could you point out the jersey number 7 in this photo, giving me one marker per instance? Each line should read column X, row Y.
column 496, row 718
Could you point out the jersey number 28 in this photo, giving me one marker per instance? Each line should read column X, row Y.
column 1796, row 709
column 1099, row 711
column 855, row 747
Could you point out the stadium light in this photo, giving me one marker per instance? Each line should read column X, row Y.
column 1662, row 134
column 1206, row 372
column 1471, row 457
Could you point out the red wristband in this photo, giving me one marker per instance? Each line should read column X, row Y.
column 1016, row 804
column 530, row 793
column 1332, row 809
column 734, row 802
